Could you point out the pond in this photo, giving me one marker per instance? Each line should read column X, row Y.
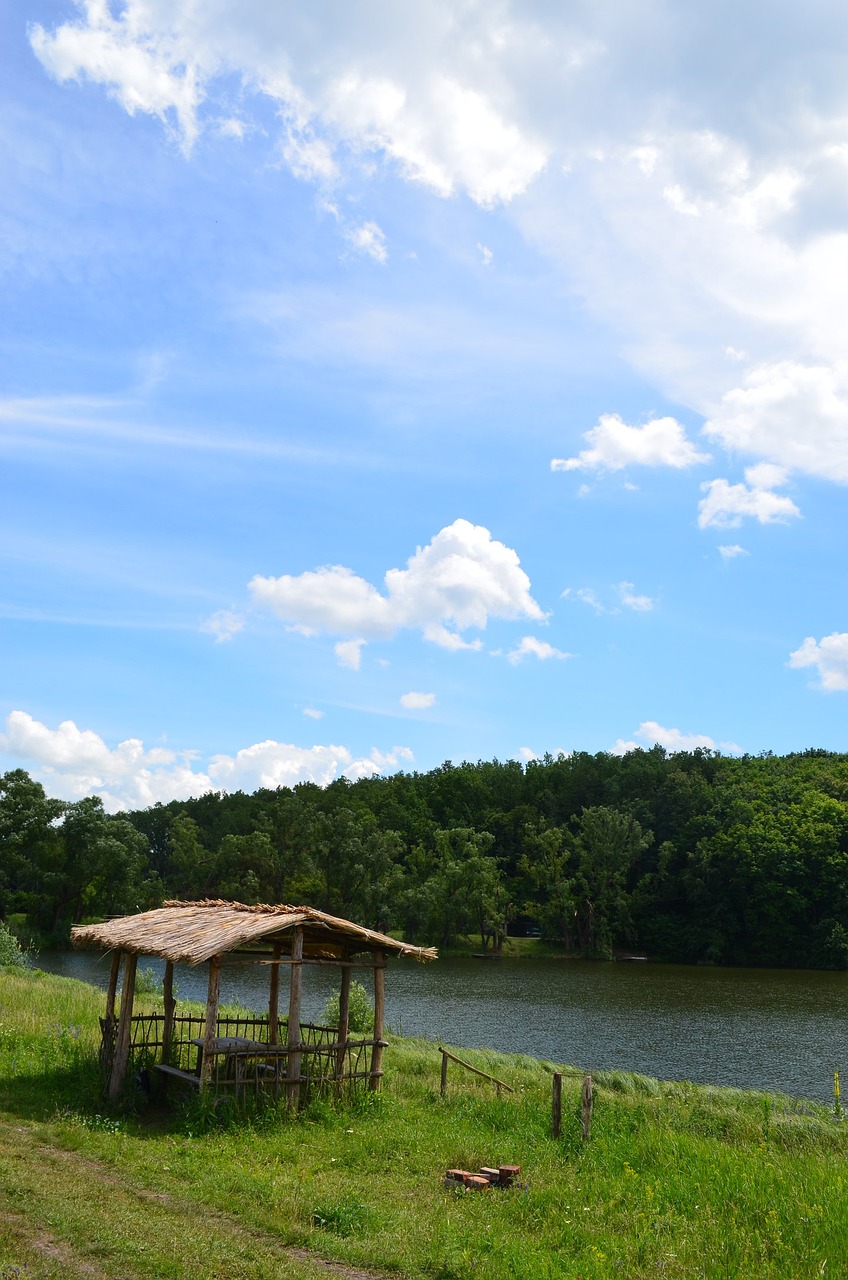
column 775, row 1029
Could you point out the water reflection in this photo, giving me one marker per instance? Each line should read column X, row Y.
column 754, row 1028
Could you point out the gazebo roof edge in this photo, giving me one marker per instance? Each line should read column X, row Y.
column 195, row 931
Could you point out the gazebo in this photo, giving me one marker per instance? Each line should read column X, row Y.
column 239, row 1053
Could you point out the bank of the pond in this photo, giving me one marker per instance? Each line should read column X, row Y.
column 777, row 1029
column 676, row 1180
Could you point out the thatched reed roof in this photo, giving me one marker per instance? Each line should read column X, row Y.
column 196, row 931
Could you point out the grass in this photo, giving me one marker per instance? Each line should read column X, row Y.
column 677, row 1180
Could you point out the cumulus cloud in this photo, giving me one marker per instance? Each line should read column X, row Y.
column 829, row 656
column 614, row 445
column 223, row 625
column 459, row 580
column 530, row 647
column 795, row 412
column 526, row 754
column 417, row 701
column 650, row 734
column 72, row 763
column 726, row 505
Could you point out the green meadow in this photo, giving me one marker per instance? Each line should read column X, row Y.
column 676, row 1181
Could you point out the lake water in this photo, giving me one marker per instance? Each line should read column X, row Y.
column 775, row 1029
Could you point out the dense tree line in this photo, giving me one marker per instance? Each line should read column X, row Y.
column 691, row 856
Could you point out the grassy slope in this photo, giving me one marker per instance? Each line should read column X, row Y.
column 676, row 1181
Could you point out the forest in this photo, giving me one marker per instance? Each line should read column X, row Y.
column 691, row 856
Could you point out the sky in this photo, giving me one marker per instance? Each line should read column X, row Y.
column 388, row 384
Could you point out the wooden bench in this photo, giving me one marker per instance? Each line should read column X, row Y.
column 188, row 1077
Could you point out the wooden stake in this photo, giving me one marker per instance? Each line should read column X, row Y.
column 344, row 1022
column 274, row 998
column 293, row 1039
column 586, row 1132
column 122, row 1044
column 211, row 1029
column 556, row 1109
column 170, row 1005
column 379, row 1006
column 443, row 1087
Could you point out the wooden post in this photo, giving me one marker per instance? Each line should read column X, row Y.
column 170, row 1005
column 274, row 998
column 443, row 1088
column 293, row 1038
column 586, row 1129
column 211, row 1028
column 122, row 1043
column 344, row 1017
column 556, row 1109
column 379, row 1009
column 113, row 987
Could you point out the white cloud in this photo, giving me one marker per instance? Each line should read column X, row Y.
column 312, row 713
column 349, row 653
column 794, row 412
column 650, row 734
column 530, row 647
column 627, row 599
column 460, row 580
column 281, row 764
column 411, row 91
column 587, row 596
column 485, row 254
column 830, row 658
column 417, row 701
column 630, row 600
column 708, row 233
column 727, row 505
column 526, row 754
column 142, row 74
column 370, row 239
column 614, row 445
column 72, row 763
column 223, row 625
column 731, row 551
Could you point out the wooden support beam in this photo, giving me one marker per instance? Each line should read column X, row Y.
column 211, row 1027
column 274, row 997
column 293, row 1037
column 379, row 1011
column 476, row 1070
column 344, row 1021
column 170, row 1005
column 122, row 1043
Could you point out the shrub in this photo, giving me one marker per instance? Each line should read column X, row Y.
column 12, row 954
column 360, row 1014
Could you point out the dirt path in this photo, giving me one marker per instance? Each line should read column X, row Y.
column 64, row 1214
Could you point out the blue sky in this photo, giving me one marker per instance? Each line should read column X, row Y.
column 391, row 384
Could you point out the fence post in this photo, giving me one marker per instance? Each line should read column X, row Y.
column 586, row 1129
column 556, row 1110
column 444, row 1084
